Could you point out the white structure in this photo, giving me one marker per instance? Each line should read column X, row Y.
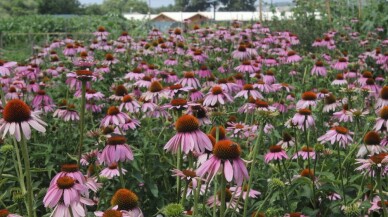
column 220, row 15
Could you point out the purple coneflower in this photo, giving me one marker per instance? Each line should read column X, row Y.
column 382, row 121
column 308, row 100
column 114, row 116
column 176, row 90
column 189, row 137
column 371, row 145
column 69, row 114
column 241, row 191
column 339, row 80
column 239, row 130
column 376, row 205
column 126, row 200
column 115, row 213
column 129, row 104
column 287, row 140
column 120, row 92
column 248, row 91
column 330, row 103
column 292, row 57
column 230, row 199
column 135, row 75
column 42, row 101
column 199, row 56
column 369, row 166
column 204, row 72
column 217, row 96
column 116, row 150
column 338, row 134
column 343, row 115
column 200, row 113
column 189, row 80
column 155, row 92
column 241, row 53
column 67, row 191
column 276, row 152
column 101, row 33
column 6, row 213
column 294, row 214
column 226, row 154
column 319, row 69
column 12, row 94
column 263, row 87
column 171, row 62
column 18, row 119
column 246, row 66
column 305, row 153
column 195, row 95
column 341, row 64
column 111, row 171
column 303, row 115
column 383, row 99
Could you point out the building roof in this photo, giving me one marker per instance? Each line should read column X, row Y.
column 220, row 15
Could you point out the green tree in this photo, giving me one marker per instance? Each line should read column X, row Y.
column 169, row 8
column 93, row 9
column 17, row 7
column 124, row 6
column 59, row 7
column 238, row 5
column 192, row 5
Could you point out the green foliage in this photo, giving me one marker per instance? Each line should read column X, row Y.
column 124, row 6
column 17, row 7
column 93, row 9
column 238, row 5
column 173, row 210
column 191, row 5
column 59, row 7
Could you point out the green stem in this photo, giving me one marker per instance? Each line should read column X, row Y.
column 341, row 176
column 82, row 121
column 196, row 196
column 121, row 175
column 223, row 193
column 30, row 196
column 2, row 167
column 264, row 202
column 385, row 214
column 19, row 170
column 178, row 165
column 287, row 173
column 204, row 197
column 215, row 182
column 308, row 156
column 184, row 194
column 254, row 158
column 215, row 196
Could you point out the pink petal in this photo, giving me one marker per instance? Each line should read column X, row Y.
column 228, row 171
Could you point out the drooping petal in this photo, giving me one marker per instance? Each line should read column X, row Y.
column 228, row 171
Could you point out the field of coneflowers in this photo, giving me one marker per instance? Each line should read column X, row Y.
column 199, row 121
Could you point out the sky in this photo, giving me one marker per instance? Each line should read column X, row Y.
column 159, row 3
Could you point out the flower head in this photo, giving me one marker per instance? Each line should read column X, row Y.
column 276, row 152
column 189, row 137
column 227, row 154
column 18, row 118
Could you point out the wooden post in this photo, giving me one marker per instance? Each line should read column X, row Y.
column 328, row 11
column 359, row 9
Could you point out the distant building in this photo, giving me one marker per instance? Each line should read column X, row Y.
column 167, row 20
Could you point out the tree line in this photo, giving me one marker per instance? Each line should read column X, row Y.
column 30, row 7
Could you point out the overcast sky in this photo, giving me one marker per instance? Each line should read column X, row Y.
column 158, row 3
